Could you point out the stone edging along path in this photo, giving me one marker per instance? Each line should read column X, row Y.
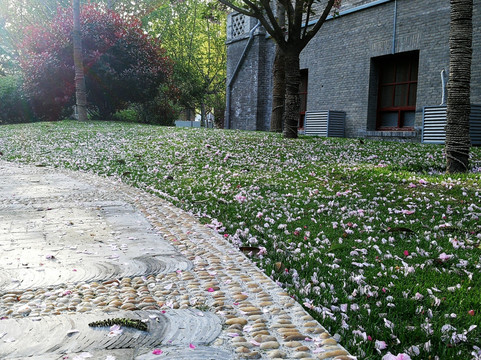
column 75, row 243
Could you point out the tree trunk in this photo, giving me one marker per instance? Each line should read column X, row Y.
column 219, row 112
column 278, row 91
column 278, row 78
column 80, row 91
column 458, row 104
column 203, row 122
column 292, row 104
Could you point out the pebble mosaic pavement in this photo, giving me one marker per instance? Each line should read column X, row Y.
column 77, row 248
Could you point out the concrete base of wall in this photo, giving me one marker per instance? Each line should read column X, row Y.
column 402, row 136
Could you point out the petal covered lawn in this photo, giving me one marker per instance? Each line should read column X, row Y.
column 372, row 238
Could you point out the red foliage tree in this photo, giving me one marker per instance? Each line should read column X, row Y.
column 122, row 64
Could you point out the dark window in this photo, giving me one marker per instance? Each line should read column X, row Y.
column 303, row 97
column 398, row 81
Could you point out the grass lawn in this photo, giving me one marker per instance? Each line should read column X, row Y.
column 374, row 239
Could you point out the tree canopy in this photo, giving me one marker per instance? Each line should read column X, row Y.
column 193, row 33
column 122, row 64
column 198, row 68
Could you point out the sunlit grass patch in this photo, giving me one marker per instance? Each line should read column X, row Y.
column 373, row 239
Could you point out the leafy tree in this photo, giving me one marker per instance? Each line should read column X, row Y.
column 18, row 15
column 139, row 8
column 14, row 107
column 193, row 34
column 291, row 41
column 458, row 105
column 122, row 64
column 15, row 17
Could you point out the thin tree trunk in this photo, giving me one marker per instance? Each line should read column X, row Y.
column 278, row 91
column 458, row 104
column 80, row 91
column 292, row 105
column 202, row 115
column 219, row 116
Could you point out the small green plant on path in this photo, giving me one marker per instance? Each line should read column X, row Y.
column 374, row 239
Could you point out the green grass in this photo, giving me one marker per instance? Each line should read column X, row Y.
column 374, row 239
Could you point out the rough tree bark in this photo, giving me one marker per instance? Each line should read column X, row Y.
column 291, row 42
column 80, row 91
column 278, row 91
column 458, row 104
column 278, row 79
column 292, row 105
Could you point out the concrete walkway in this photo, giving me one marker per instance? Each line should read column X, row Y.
column 77, row 249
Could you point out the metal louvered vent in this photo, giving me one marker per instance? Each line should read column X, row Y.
column 475, row 125
column 325, row 123
column 434, row 122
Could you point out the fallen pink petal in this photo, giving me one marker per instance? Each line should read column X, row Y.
column 444, row 257
column 380, row 345
column 369, row 236
column 115, row 330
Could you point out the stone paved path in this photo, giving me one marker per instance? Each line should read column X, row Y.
column 76, row 249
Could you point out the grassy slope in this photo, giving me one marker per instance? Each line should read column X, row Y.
column 372, row 238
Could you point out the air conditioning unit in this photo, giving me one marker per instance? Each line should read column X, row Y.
column 325, row 123
column 434, row 122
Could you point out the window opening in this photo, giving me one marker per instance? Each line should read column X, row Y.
column 398, row 80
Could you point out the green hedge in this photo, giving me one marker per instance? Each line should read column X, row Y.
column 14, row 106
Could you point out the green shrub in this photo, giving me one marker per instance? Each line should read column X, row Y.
column 162, row 110
column 14, row 107
column 127, row 115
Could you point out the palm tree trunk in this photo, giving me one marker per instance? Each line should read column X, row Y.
column 458, row 104
column 80, row 91
column 292, row 105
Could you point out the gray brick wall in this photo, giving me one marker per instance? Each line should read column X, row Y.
column 341, row 68
column 250, row 91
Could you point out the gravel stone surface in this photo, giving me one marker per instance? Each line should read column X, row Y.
column 75, row 246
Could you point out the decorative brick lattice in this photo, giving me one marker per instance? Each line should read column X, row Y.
column 238, row 25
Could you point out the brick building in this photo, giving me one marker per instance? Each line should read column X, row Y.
column 380, row 63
